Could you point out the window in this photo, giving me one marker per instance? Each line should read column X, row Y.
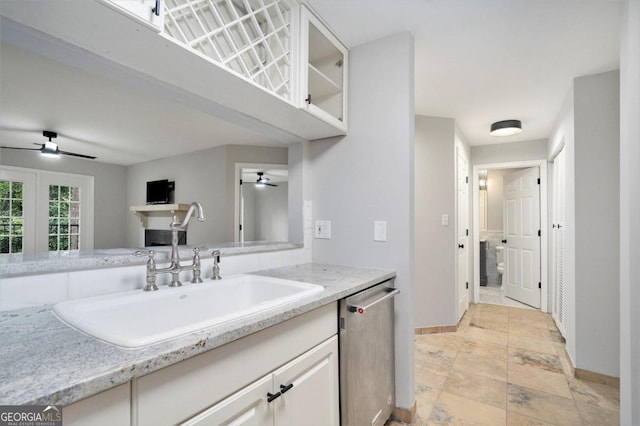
column 44, row 211
column 64, row 217
column 11, row 216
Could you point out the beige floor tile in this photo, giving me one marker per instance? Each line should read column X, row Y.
column 515, row 419
column 444, row 341
column 539, row 360
column 597, row 416
column 490, row 324
column 529, row 322
column 595, row 394
column 489, row 336
column 541, row 405
column 453, row 410
column 484, row 350
column 536, row 378
column 492, row 368
column 479, row 388
column 428, row 378
column 532, row 344
column 529, row 331
column 425, row 401
column 435, row 360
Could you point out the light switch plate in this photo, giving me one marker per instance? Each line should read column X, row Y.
column 380, row 230
column 323, row 229
column 445, row 220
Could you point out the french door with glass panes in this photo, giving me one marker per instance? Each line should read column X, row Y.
column 45, row 211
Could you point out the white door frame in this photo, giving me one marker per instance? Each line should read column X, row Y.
column 236, row 190
column 542, row 164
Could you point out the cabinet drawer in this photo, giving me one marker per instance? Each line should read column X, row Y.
column 205, row 379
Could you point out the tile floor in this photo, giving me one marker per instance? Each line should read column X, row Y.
column 494, row 294
column 505, row 366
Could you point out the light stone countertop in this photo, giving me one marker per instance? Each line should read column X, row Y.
column 44, row 361
column 15, row 265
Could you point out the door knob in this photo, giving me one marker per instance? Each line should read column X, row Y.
column 504, row 241
column 460, row 245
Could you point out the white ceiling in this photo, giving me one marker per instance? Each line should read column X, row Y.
column 118, row 123
column 477, row 61
column 481, row 61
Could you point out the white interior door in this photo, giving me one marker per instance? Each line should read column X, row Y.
column 462, row 232
column 557, row 234
column 522, row 235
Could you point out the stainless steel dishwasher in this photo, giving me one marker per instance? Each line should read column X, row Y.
column 367, row 371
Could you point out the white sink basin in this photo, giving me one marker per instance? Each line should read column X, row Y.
column 138, row 318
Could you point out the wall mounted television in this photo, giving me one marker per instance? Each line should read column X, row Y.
column 160, row 191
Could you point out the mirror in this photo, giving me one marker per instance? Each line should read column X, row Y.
column 207, row 176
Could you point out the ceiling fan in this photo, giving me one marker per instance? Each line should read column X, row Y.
column 50, row 149
column 263, row 181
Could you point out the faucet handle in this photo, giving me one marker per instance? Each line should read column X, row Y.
column 197, row 250
column 151, row 269
column 149, row 253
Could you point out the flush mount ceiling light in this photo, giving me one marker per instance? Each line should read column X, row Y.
column 506, row 128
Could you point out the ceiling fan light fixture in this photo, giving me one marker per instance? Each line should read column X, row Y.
column 49, row 150
column 506, row 128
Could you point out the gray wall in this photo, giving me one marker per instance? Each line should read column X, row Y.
column 266, row 217
column 597, row 222
column 367, row 176
column 207, row 176
column 246, row 154
column 435, row 195
column 199, row 176
column 507, row 152
column 110, row 187
column 629, row 214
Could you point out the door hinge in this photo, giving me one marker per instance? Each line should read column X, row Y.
column 241, row 227
column 240, row 181
column 467, row 283
column 308, row 100
column 467, row 232
column 538, row 181
column 466, row 179
column 539, row 233
column 539, row 285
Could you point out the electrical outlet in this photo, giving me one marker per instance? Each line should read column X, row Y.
column 323, row 229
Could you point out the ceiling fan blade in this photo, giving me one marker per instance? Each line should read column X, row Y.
column 26, row 149
column 269, row 184
column 73, row 154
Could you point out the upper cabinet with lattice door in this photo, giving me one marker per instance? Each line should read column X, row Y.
column 252, row 62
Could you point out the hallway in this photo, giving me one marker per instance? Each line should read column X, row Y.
column 505, row 365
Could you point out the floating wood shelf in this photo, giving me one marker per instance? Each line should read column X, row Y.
column 143, row 212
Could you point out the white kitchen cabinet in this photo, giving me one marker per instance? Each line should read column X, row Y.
column 323, row 72
column 146, row 12
column 248, row 407
column 220, row 374
column 309, row 388
column 111, row 407
column 303, row 392
column 239, row 72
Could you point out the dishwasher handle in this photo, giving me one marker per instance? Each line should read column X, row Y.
column 356, row 309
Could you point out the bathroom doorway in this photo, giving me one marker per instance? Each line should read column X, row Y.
column 503, row 232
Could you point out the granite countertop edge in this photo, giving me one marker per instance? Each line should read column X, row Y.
column 17, row 265
column 81, row 366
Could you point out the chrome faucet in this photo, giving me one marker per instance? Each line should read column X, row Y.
column 175, row 267
column 216, row 266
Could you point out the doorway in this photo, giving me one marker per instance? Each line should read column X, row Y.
column 506, row 229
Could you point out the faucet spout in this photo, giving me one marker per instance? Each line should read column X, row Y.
column 194, row 207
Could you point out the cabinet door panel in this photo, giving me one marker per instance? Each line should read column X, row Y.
column 248, row 407
column 313, row 399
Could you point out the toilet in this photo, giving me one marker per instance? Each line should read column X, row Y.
column 500, row 261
